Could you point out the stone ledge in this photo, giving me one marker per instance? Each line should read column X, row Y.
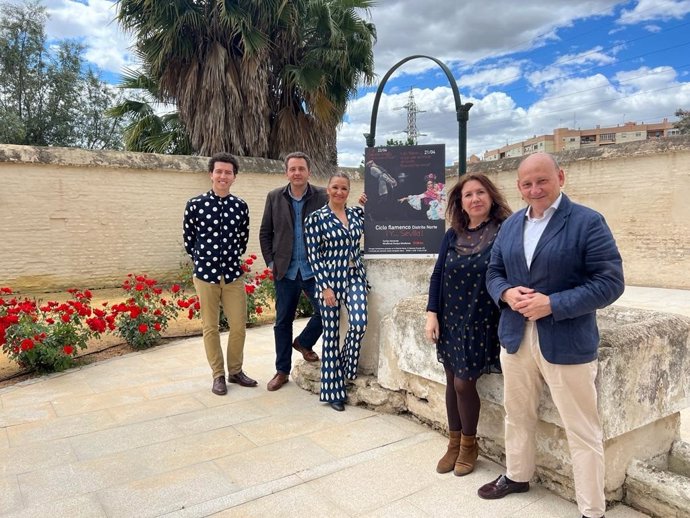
column 75, row 157
column 655, row 488
column 364, row 391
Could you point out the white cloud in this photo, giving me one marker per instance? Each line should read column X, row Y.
column 465, row 33
column 479, row 81
column 647, row 10
column 93, row 23
column 568, row 63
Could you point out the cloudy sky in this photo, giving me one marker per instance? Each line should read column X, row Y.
column 527, row 66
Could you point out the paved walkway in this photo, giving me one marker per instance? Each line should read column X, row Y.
column 142, row 435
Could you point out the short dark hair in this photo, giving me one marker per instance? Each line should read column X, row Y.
column 459, row 219
column 224, row 157
column 298, row 154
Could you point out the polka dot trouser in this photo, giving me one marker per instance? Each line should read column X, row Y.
column 338, row 364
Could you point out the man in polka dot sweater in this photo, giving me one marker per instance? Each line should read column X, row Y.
column 216, row 230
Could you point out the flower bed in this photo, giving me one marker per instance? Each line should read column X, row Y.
column 47, row 337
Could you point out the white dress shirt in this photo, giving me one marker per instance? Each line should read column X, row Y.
column 534, row 228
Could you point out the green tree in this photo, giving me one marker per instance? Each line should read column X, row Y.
column 683, row 122
column 394, row 142
column 145, row 130
column 47, row 96
column 255, row 78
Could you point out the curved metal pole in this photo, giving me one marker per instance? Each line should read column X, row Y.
column 461, row 110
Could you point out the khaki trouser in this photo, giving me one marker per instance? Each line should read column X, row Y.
column 234, row 300
column 574, row 394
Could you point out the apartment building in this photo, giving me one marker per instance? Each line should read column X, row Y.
column 566, row 139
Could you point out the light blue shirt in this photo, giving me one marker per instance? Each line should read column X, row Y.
column 298, row 261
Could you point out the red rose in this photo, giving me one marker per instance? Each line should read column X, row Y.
column 140, row 278
column 68, row 349
column 175, row 288
column 249, row 261
column 253, row 256
column 96, row 324
column 134, row 312
column 158, row 312
column 87, row 294
column 259, row 310
column 157, row 326
column 27, row 344
column 139, row 287
column 65, row 318
column 143, row 328
column 50, row 321
column 6, row 290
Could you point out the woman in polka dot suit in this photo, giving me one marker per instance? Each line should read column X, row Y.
column 333, row 248
column 462, row 319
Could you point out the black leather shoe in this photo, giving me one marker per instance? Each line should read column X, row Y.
column 501, row 487
column 219, row 387
column 242, row 379
column 338, row 406
column 602, row 516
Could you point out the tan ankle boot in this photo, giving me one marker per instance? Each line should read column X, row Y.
column 467, row 458
column 447, row 462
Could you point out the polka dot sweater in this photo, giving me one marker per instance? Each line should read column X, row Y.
column 216, row 231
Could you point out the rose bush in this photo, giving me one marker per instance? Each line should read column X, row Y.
column 259, row 288
column 46, row 337
column 145, row 314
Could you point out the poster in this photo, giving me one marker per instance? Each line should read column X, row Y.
column 405, row 211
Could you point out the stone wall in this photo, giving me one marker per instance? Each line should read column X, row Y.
column 641, row 188
column 77, row 217
column 73, row 217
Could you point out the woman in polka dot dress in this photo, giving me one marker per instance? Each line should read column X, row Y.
column 333, row 248
column 462, row 319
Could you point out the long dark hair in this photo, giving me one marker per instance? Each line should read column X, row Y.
column 459, row 219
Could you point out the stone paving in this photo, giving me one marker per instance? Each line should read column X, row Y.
column 142, row 435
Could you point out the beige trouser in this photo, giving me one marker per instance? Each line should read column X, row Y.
column 575, row 396
column 234, row 300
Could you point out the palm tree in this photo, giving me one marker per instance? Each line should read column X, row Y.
column 255, row 77
column 145, row 130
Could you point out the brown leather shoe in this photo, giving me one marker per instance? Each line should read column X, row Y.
column 278, row 380
column 219, row 386
column 242, row 379
column 501, row 487
column 307, row 354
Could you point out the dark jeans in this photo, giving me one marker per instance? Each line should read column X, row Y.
column 287, row 298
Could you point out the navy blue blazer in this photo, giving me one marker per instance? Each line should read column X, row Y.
column 576, row 263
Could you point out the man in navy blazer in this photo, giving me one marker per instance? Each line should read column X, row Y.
column 552, row 266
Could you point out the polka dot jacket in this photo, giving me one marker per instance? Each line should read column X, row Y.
column 332, row 249
column 216, row 231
